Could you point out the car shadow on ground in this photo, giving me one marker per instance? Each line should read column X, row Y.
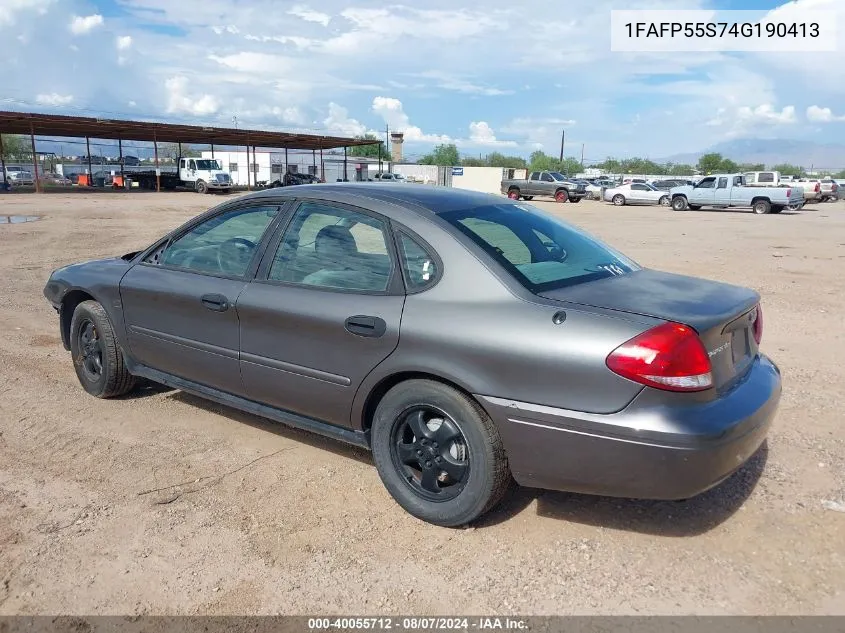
column 690, row 517
column 336, row 447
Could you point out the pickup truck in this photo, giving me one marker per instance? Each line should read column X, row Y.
column 723, row 191
column 544, row 183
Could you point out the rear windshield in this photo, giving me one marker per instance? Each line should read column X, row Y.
column 541, row 251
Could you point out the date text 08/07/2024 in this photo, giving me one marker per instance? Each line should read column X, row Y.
column 418, row 623
column 722, row 29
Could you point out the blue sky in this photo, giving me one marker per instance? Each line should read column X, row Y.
column 487, row 76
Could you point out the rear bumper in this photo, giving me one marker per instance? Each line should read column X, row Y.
column 650, row 449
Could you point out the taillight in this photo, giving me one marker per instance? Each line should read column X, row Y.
column 818, row 187
column 758, row 325
column 788, row 193
column 669, row 356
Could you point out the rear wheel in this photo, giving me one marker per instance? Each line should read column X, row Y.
column 438, row 453
column 513, row 194
column 562, row 195
column 97, row 358
column 619, row 200
column 664, row 200
column 761, row 207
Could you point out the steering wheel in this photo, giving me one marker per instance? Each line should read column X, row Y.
column 234, row 255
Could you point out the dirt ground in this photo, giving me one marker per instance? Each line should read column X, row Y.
column 163, row 503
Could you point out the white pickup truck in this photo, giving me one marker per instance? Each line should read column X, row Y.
column 727, row 191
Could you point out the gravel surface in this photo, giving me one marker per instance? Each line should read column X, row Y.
column 163, row 503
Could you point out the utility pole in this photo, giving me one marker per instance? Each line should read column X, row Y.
column 582, row 156
column 387, row 141
column 562, row 139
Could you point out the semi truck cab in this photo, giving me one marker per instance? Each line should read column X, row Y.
column 204, row 174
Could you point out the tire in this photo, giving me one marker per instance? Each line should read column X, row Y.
column 664, row 201
column 574, row 200
column 695, row 207
column 201, row 187
column 102, row 370
column 679, row 203
column 484, row 479
column 561, row 195
column 513, row 194
column 618, row 200
column 527, row 197
column 777, row 209
column 227, row 191
column 762, row 207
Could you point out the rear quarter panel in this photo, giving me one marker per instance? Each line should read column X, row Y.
column 470, row 329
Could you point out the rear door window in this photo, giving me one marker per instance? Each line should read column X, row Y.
column 542, row 252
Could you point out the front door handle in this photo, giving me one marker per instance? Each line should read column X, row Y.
column 218, row 303
column 362, row 325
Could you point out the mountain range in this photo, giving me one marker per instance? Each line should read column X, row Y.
column 770, row 152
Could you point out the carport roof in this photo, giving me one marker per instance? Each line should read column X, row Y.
column 103, row 128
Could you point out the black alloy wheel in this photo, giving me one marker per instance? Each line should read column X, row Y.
column 431, row 452
column 90, row 350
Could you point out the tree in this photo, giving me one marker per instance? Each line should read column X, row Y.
column 497, row 159
column 789, row 170
column 370, row 151
column 710, row 163
column 841, row 174
column 752, row 167
column 679, row 169
column 171, row 151
column 444, row 155
column 474, row 162
column 16, row 146
column 540, row 161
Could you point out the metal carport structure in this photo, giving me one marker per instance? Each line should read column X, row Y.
column 30, row 124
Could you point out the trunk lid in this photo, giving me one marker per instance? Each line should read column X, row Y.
column 722, row 314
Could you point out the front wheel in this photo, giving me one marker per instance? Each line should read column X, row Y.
column 201, row 187
column 562, row 195
column 97, row 357
column 679, row 203
column 574, row 200
column 527, row 197
column 438, row 453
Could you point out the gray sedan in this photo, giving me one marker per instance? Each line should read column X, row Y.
column 467, row 340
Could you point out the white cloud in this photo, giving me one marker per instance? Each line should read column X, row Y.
column 446, row 81
column 123, row 42
column 766, row 114
column 53, row 99
column 822, row 115
column 480, row 133
column 180, row 102
column 231, row 29
column 339, row 121
column 309, row 15
column 82, row 25
column 251, row 62
column 393, row 113
column 10, row 9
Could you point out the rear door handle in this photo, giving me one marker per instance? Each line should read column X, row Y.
column 218, row 303
column 363, row 325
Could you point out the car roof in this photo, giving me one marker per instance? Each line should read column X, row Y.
column 433, row 198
